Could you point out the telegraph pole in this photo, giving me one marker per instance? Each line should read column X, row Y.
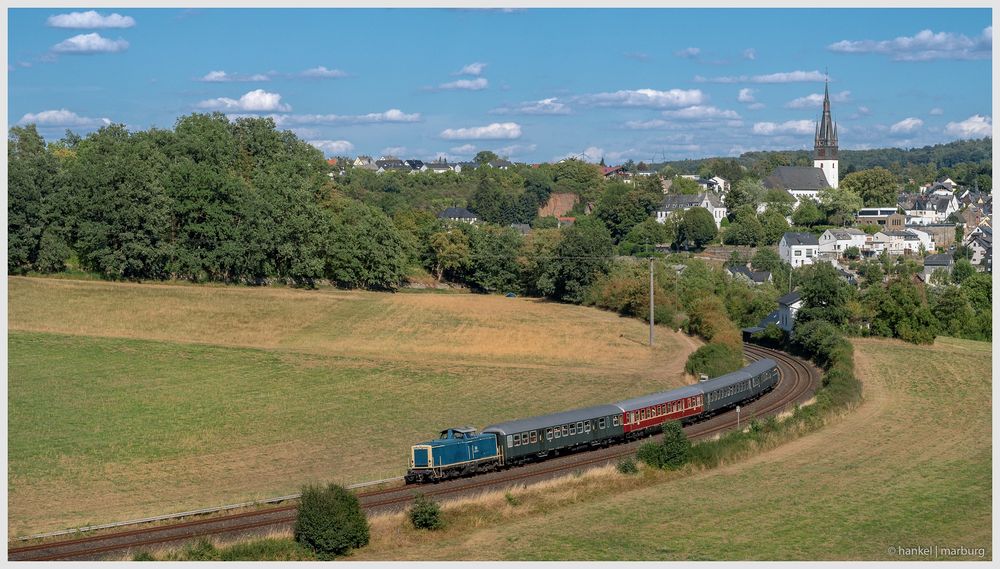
column 651, row 302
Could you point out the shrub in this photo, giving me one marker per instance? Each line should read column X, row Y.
column 330, row 521
column 652, row 454
column 627, row 466
column 425, row 513
column 143, row 556
column 676, row 446
column 714, row 360
column 512, row 499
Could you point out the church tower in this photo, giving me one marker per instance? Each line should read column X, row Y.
column 826, row 143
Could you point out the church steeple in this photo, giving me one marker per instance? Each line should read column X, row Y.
column 826, row 141
column 826, row 130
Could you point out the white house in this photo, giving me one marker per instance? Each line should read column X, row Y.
column 798, row 249
column 682, row 202
column 458, row 214
column 836, row 241
column 788, row 307
column 926, row 210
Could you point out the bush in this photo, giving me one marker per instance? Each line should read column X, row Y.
column 425, row 513
column 627, row 466
column 714, row 360
column 512, row 499
column 330, row 521
column 676, row 446
column 143, row 556
column 652, row 454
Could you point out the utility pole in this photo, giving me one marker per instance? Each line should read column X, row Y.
column 650, row 302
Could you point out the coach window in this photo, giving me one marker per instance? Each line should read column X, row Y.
column 565, row 430
column 548, row 434
column 510, row 441
column 600, row 423
column 572, row 430
column 586, row 427
column 614, row 421
column 534, row 437
column 557, row 433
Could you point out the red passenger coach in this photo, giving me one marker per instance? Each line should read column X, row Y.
column 653, row 410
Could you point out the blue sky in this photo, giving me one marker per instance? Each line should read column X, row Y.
column 534, row 85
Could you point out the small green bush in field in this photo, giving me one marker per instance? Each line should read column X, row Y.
column 330, row 521
column 425, row 513
column 627, row 466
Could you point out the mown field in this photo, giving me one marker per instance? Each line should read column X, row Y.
column 130, row 400
column 910, row 467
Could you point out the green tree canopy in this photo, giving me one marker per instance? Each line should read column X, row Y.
column 583, row 254
column 697, row 227
column 876, row 187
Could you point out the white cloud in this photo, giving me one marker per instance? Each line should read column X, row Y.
column 699, row 112
column 90, row 43
column 746, row 95
column 924, row 46
column 331, row 147
column 936, row 111
column 647, row 125
column 688, row 52
column 257, row 100
column 787, row 127
column 816, row 100
column 976, row 126
column 906, row 125
column 472, row 69
column 750, row 53
column 223, row 77
column 322, row 73
column 756, row 106
column 390, row 116
column 396, row 151
column 467, row 84
column 464, row 149
column 649, row 98
column 89, row 20
column 62, row 117
column 590, row 154
column 550, row 106
column 495, row 131
column 515, row 150
column 783, row 77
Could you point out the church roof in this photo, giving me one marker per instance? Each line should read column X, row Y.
column 796, row 178
column 826, row 130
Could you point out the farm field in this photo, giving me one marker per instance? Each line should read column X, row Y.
column 895, row 473
column 132, row 400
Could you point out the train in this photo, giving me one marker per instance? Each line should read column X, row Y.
column 465, row 451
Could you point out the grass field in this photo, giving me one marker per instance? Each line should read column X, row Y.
column 133, row 400
column 910, row 467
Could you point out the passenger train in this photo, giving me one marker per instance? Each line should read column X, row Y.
column 464, row 451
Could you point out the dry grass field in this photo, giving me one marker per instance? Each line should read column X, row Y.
column 131, row 400
column 909, row 468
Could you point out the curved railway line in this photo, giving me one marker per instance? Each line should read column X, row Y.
column 798, row 383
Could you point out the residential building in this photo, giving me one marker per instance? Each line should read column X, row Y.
column 673, row 203
column 788, row 308
column 439, row 167
column 752, row 277
column 925, row 210
column 499, row 164
column 981, row 245
column 836, row 241
column 942, row 234
column 715, row 184
column 887, row 217
column 459, row 214
column 416, row 165
column 798, row 249
column 934, row 262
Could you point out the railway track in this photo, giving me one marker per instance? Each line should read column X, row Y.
column 798, row 382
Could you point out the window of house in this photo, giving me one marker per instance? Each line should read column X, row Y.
column 798, row 252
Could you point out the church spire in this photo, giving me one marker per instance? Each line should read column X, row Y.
column 826, row 130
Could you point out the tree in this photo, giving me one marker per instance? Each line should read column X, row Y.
column 779, row 201
column 330, row 521
column 774, row 226
column 808, row 214
column 425, row 513
column 824, row 294
column 876, row 186
column 840, row 204
column 493, row 255
column 583, row 254
column 697, row 227
column 745, row 228
column 747, row 191
column 449, row 251
column 365, row 249
column 621, row 208
column 962, row 270
column 682, row 185
column 643, row 238
column 714, row 360
column 36, row 226
column 484, row 156
column 677, row 447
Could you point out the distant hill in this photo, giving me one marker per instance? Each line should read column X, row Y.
column 938, row 156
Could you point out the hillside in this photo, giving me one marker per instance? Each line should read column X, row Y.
column 898, row 472
column 131, row 400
